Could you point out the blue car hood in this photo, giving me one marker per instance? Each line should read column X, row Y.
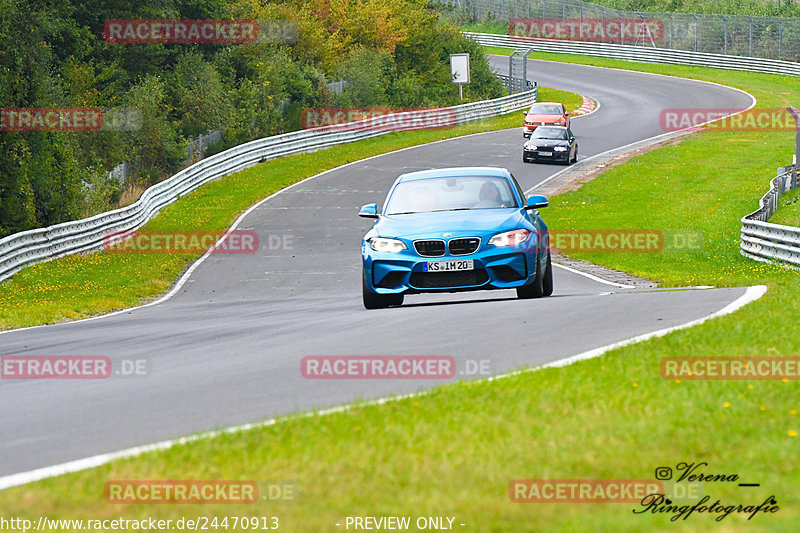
column 473, row 222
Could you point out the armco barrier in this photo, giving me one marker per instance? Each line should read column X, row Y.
column 28, row 247
column 729, row 34
column 640, row 53
column 768, row 242
column 760, row 240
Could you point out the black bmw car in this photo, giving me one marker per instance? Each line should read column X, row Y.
column 551, row 143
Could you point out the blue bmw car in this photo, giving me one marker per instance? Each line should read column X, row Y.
column 455, row 229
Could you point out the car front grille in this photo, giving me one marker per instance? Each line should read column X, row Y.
column 465, row 246
column 432, row 248
column 437, row 280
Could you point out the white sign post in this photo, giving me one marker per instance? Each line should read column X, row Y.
column 796, row 114
column 459, row 71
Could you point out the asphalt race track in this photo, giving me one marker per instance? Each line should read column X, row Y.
column 226, row 349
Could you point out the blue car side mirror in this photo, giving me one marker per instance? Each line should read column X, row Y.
column 369, row 211
column 536, row 202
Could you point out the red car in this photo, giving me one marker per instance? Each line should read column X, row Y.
column 544, row 114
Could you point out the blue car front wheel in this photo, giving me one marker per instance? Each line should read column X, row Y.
column 542, row 284
column 547, row 282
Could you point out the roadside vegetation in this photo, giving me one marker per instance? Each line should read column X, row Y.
column 762, row 8
column 755, row 8
column 84, row 285
column 788, row 212
column 455, row 450
column 386, row 53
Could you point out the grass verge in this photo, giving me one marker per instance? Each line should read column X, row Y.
column 455, row 450
column 788, row 212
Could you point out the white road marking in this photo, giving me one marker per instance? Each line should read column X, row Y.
column 752, row 294
column 753, row 103
column 185, row 278
column 595, row 278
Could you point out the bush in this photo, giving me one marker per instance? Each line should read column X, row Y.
column 393, row 53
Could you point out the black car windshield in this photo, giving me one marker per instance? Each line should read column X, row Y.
column 450, row 194
column 545, row 110
column 550, row 133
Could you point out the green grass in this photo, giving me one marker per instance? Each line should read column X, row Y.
column 676, row 187
column 79, row 286
column 486, row 26
column 788, row 212
column 454, row 451
column 679, row 193
column 572, row 101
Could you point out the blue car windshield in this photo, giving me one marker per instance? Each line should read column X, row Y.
column 450, row 194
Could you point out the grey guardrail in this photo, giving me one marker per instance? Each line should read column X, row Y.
column 767, row 242
column 640, row 53
column 760, row 240
column 28, row 247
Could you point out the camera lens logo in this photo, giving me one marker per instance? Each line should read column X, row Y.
column 663, row 473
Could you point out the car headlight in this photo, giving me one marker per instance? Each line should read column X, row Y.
column 559, row 123
column 381, row 244
column 560, row 148
column 529, row 123
column 530, row 146
column 510, row 238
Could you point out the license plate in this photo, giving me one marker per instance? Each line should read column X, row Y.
column 448, row 266
column 545, row 154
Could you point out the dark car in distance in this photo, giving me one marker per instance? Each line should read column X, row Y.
column 551, row 143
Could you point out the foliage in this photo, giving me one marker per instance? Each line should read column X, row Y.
column 393, row 53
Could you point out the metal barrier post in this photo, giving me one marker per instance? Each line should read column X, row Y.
column 517, row 55
column 795, row 112
column 725, row 31
column 670, row 31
